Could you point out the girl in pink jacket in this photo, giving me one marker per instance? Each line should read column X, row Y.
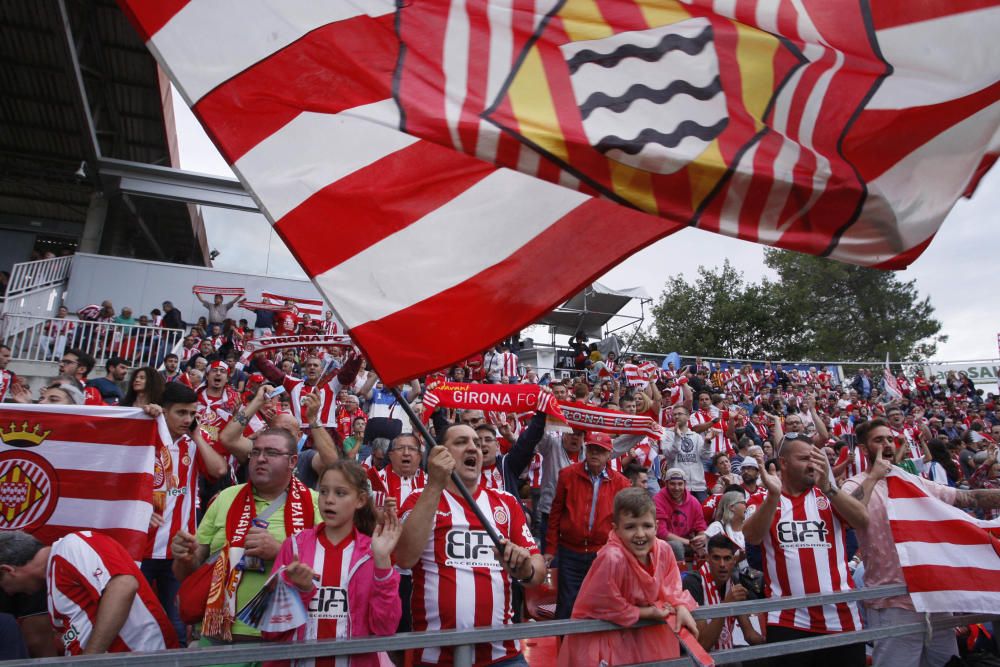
column 342, row 567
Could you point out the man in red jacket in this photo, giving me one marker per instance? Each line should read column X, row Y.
column 580, row 518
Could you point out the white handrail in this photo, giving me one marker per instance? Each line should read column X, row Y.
column 29, row 276
column 45, row 339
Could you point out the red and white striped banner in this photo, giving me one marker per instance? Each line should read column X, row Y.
column 515, row 126
column 224, row 291
column 951, row 561
column 66, row 468
column 313, row 307
column 592, row 418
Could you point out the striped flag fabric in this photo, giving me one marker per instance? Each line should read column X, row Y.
column 950, row 560
column 313, row 307
column 890, row 383
column 473, row 140
column 67, row 468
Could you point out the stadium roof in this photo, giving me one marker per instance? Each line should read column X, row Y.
column 79, row 88
column 590, row 311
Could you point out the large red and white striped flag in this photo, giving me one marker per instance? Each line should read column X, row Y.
column 66, row 468
column 951, row 561
column 472, row 141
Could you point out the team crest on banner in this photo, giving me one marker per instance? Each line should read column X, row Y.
column 27, row 490
column 667, row 99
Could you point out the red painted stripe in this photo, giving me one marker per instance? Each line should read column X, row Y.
column 422, row 27
column 892, row 14
column 899, row 487
column 882, row 137
column 147, row 16
column 522, row 298
column 388, row 195
column 476, row 74
column 937, row 531
column 930, row 578
column 96, row 485
column 336, row 67
column 66, row 427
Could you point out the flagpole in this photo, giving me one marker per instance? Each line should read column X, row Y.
column 429, row 439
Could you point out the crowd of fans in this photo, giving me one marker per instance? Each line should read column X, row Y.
column 301, row 462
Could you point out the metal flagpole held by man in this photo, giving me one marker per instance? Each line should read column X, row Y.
column 429, row 439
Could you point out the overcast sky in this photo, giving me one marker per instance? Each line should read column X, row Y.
column 959, row 270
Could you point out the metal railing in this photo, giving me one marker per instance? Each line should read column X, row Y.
column 45, row 339
column 465, row 640
column 31, row 276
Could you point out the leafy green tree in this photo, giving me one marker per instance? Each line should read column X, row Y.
column 852, row 312
column 816, row 309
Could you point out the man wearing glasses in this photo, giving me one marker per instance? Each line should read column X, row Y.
column 245, row 527
column 76, row 365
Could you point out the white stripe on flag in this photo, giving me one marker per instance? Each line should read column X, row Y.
column 920, row 189
column 456, row 67
column 210, row 41
column 500, row 15
column 372, row 286
column 87, row 457
column 949, row 555
column 948, row 601
column 101, row 514
column 939, row 60
column 295, row 162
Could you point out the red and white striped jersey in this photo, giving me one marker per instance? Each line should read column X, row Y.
column 328, row 613
column 856, row 460
column 840, row 429
column 6, row 380
column 912, row 447
column 400, row 487
column 805, row 554
column 720, row 443
column 508, row 361
column 492, row 478
column 297, row 388
column 175, row 493
column 80, row 567
column 458, row 582
column 534, row 471
column 213, row 411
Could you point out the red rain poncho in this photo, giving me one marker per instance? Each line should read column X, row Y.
column 615, row 587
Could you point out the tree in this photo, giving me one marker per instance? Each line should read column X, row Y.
column 817, row 309
column 855, row 313
column 720, row 315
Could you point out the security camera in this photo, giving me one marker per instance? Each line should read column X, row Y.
column 81, row 172
column 212, row 255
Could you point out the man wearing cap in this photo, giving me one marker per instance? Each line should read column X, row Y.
column 679, row 517
column 580, row 518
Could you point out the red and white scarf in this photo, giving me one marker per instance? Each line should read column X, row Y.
column 712, row 597
column 268, row 343
column 224, row 291
column 495, row 398
column 220, row 608
column 592, row 418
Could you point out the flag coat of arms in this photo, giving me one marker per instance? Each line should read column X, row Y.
column 68, row 468
column 423, row 157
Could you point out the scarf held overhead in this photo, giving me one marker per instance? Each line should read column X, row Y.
column 491, row 397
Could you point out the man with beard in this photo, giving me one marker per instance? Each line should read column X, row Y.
column 882, row 565
column 801, row 525
column 245, row 526
column 459, row 580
